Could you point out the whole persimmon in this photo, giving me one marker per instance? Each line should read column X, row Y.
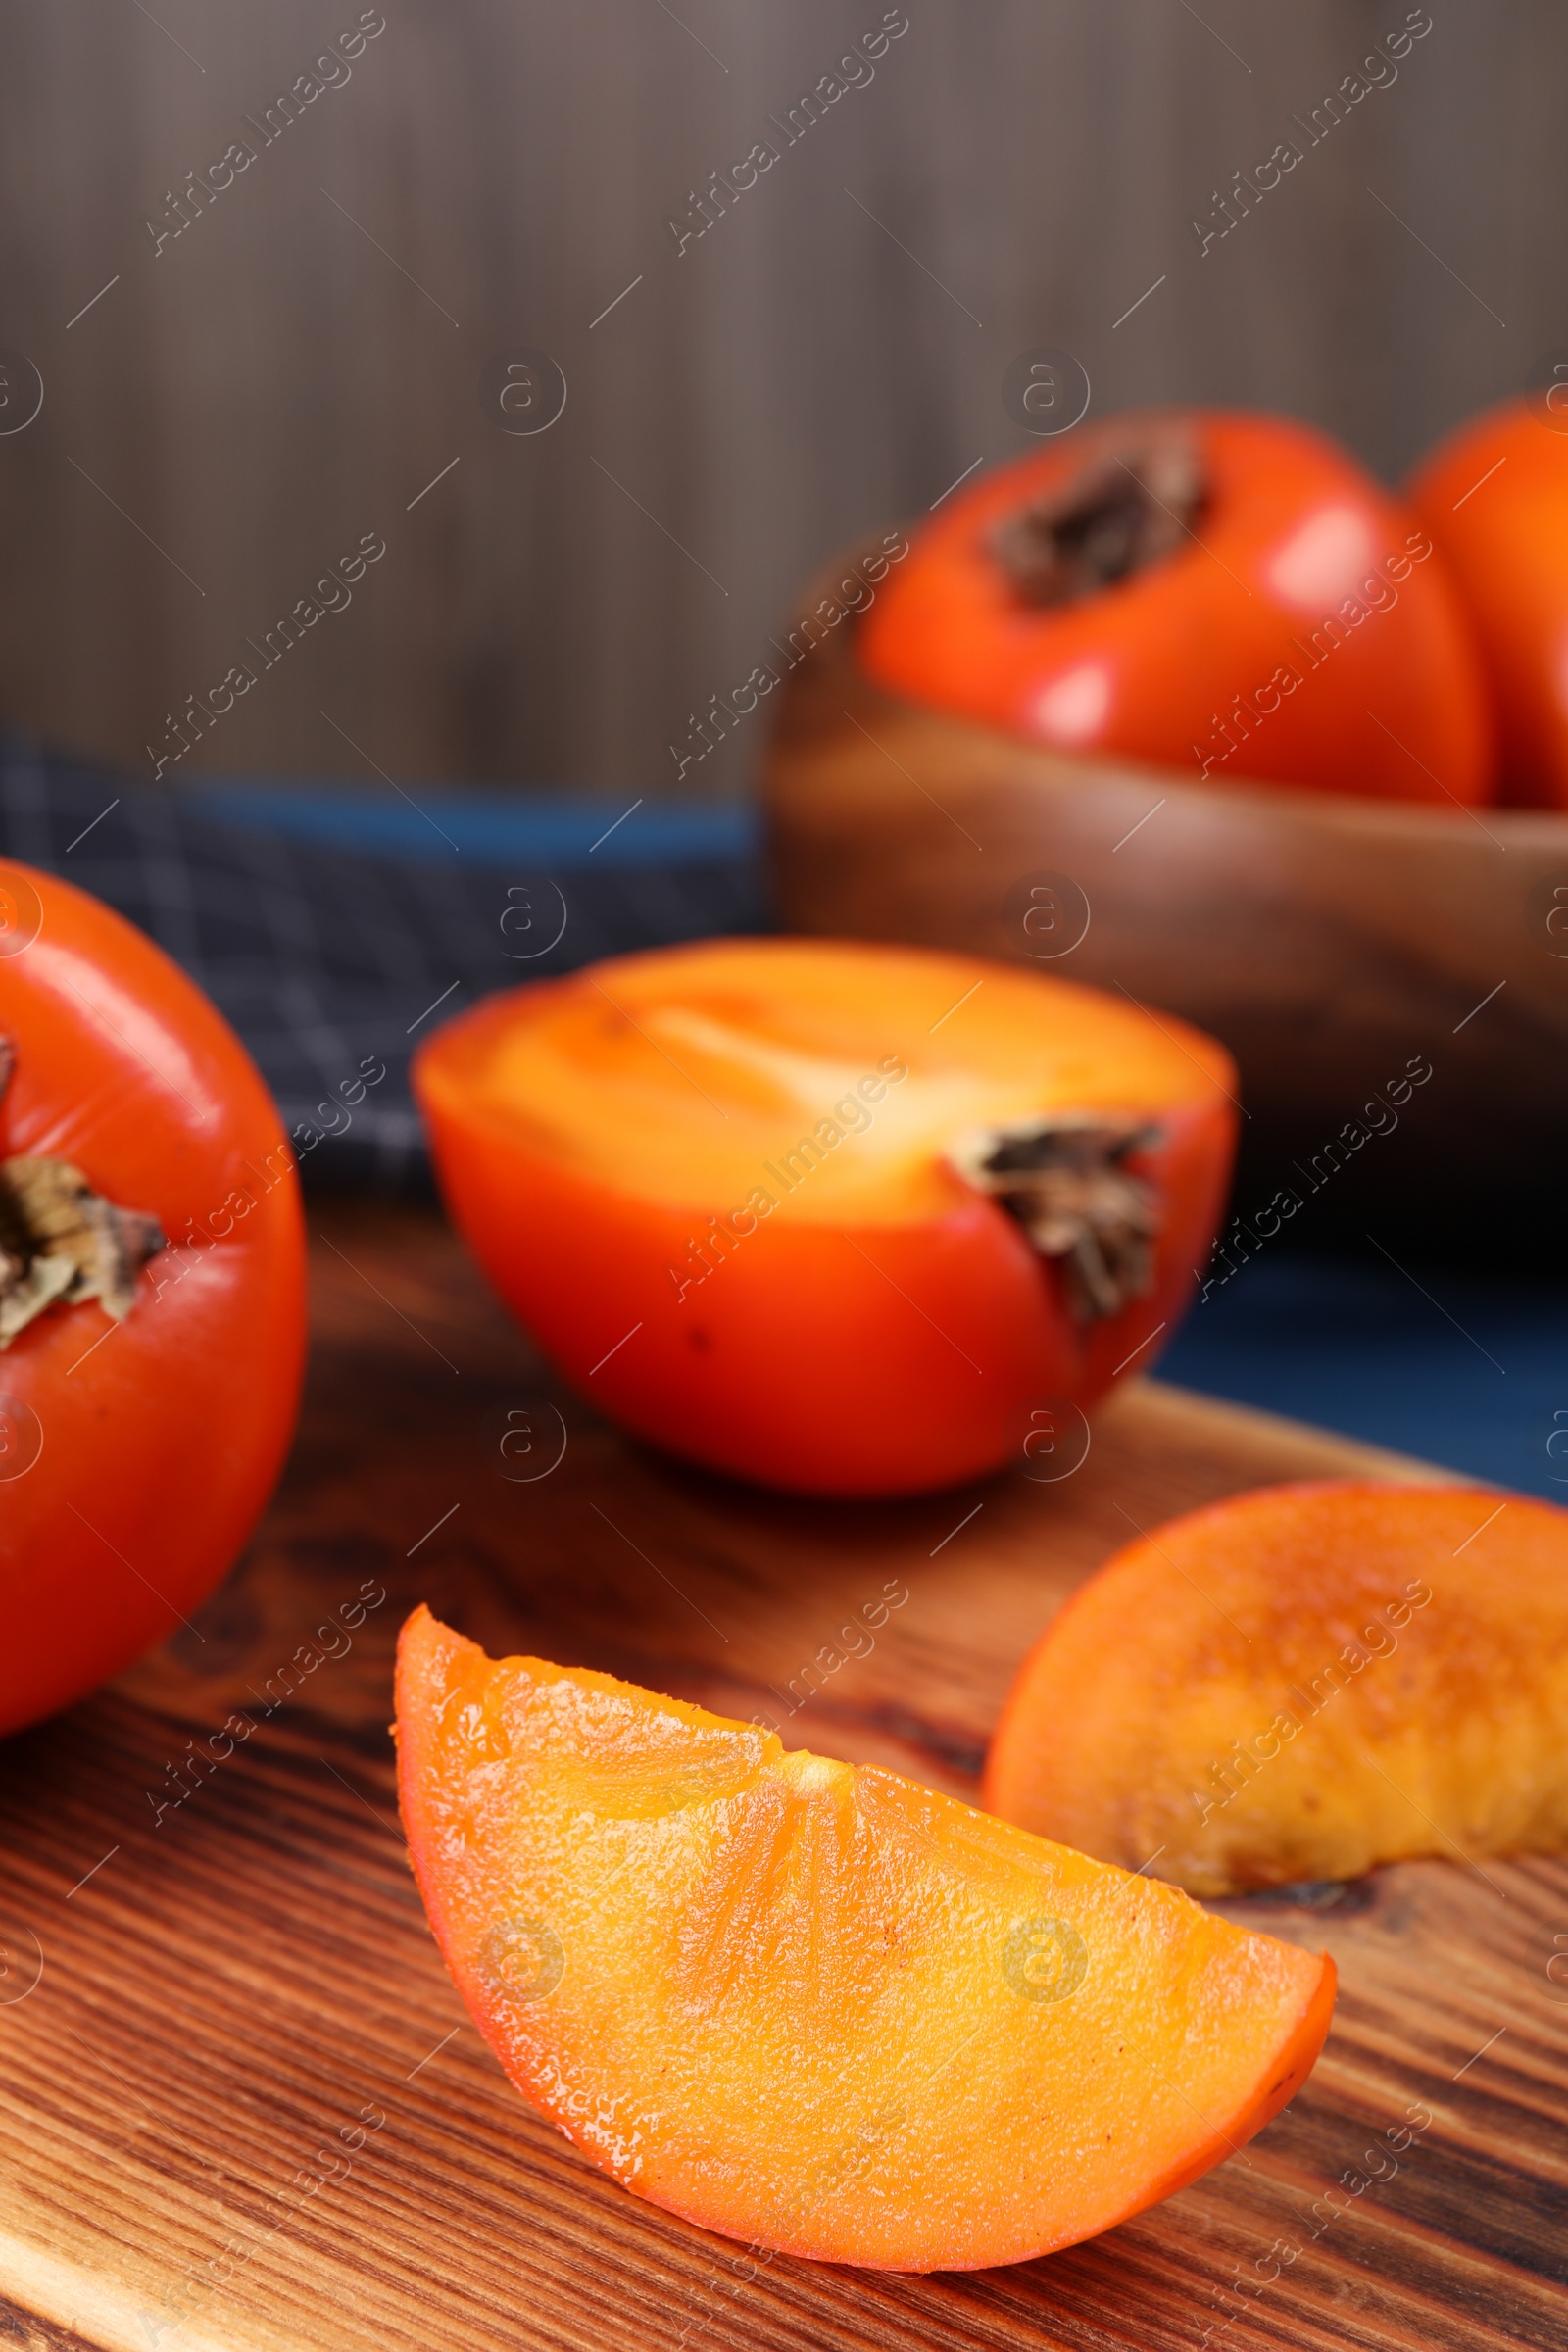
column 152, row 1294
column 1302, row 1682
column 810, row 2004
column 1227, row 594
column 1494, row 498
column 849, row 1219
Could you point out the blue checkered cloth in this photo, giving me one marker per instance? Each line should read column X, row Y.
column 336, row 928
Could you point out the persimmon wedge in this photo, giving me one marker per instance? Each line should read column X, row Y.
column 809, row 2004
column 834, row 1216
column 1300, row 1683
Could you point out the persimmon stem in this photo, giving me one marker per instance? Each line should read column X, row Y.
column 61, row 1242
column 1129, row 504
column 1064, row 1176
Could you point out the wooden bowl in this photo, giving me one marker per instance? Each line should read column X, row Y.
column 1334, row 942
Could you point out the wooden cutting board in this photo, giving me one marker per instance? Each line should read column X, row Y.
column 198, row 2004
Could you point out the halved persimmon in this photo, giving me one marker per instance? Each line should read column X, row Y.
column 1300, row 1683
column 837, row 1217
column 809, row 2004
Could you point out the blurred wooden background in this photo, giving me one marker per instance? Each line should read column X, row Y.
column 291, row 372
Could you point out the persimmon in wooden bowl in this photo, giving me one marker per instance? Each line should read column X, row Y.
column 1206, row 584
column 1330, row 935
column 834, row 1217
column 1494, row 498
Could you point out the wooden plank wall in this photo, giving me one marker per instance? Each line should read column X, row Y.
column 288, row 374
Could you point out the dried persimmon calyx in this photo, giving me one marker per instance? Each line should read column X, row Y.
column 61, row 1242
column 1129, row 505
column 1064, row 1175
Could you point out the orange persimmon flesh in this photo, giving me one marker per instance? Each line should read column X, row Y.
column 684, row 1072
column 1302, row 1682
column 811, row 2005
column 716, row 1183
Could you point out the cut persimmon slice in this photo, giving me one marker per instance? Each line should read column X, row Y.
column 809, row 2004
column 1302, row 1682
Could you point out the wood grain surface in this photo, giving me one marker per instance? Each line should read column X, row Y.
column 198, row 2003
column 1331, row 942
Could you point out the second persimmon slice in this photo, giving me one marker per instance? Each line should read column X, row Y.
column 1300, row 1683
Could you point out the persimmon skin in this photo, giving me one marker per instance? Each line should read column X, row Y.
column 853, row 1357
column 1150, row 667
column 1494, row 498
column 161, row 1441
column 785, row 1997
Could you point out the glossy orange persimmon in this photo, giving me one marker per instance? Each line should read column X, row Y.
column 135, row 1455
column 1302, row 1682
column 810, row 2004
column 718, row 1182
column 1298, row 628
column 1494, row 498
